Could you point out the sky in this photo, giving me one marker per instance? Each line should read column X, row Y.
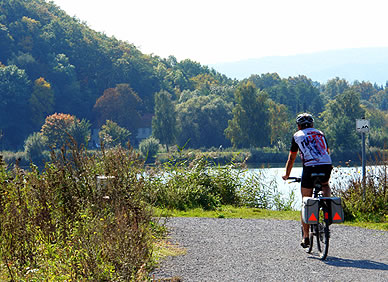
column 217, row 31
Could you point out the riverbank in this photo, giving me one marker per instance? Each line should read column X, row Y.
column 253, row 158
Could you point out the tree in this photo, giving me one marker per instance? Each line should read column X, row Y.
column 61, row 129
column 279, row 123
column 265, row 81
column 57, row 129
column 378, row 135
column 365, row 88
column 202, row 121
column 67, row 88
column 334, row 87
column 41, row 101
column 339, row 121
column 15, row 91
column 6, row 43
column 119, row 104
column 250, row 123
column 380, row 99
column 204, row 82
column 307, row 95
column 164, row 122
column 111, row 134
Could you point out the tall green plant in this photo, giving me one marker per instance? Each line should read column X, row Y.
column 366, row 201
column 149, row 148
column 190, row 182
column 83, row 218
column 35, row 146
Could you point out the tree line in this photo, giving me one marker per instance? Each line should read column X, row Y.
column 53, row 65
column 260, row 112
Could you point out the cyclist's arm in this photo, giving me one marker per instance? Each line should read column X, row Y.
column 290, row 164
column 327, row 145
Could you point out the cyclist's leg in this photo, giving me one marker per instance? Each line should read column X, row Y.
column 325, row 182
column 326, row 189
column 306, row 192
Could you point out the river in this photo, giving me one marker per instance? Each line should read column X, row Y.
column 340, row 177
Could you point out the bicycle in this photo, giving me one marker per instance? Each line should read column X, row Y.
column 321, row 229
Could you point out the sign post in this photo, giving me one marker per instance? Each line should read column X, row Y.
column 362, row 126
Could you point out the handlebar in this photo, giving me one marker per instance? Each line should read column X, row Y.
column 296, row 179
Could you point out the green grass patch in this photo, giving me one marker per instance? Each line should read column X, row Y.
column 244, row 212
column 231, row 212
column 369, row 225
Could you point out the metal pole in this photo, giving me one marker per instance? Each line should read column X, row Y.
column 363, row 165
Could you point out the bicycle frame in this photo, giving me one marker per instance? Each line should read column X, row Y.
column 321, row 229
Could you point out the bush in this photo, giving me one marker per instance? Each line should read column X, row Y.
column 366, row 202
column 34, row 148
column 12, row 158
column 183, row 184
column 197, row 182
column 149, row 148
column 80, row 132
column 112, row 134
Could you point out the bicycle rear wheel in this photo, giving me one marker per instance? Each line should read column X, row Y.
column 311, row 239
column 323, row 235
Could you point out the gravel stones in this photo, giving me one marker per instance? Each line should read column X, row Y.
column 269, row 250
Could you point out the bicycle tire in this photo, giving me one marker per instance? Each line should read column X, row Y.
column 317, row 228
column 323, row 237
column 311, row 239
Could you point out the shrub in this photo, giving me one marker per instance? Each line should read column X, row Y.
column 149, row 148
column 366, row 201
column 11, row 158
column 183, row 184
column 191, row 182
column 112, row 134
column 80, row 132
column 35, row 146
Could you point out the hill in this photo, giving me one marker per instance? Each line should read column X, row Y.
column 362, row 64
column 42, row 47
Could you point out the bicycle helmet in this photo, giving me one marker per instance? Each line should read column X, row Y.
column 304, row 119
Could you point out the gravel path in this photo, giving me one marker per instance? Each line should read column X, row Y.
column 269, row 250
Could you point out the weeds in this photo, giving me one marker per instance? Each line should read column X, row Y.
column 367, row 200
column 198, row 182
column 58, row 223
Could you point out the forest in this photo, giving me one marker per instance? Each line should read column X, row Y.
column 56, row 72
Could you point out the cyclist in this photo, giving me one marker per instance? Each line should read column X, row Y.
column 315, row 156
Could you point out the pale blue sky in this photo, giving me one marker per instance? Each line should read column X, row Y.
column 213, row 31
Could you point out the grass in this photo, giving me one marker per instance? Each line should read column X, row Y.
column 255, row 213
column 165, row 248
column 231, row 212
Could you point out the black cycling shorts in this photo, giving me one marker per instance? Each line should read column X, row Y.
column 307, row 181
